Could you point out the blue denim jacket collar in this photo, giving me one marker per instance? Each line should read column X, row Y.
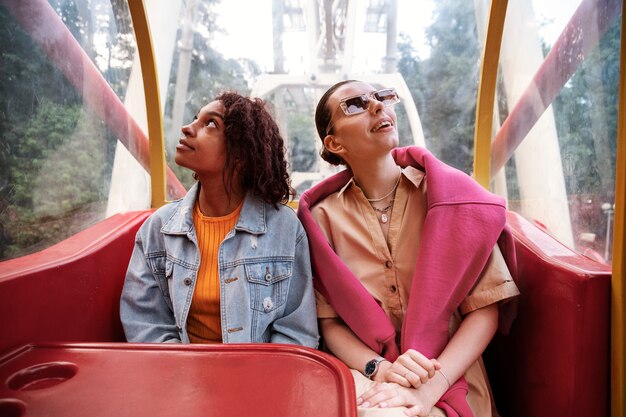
column 251, row 220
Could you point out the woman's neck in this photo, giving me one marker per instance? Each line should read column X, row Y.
column 378, row 179
column 215, row 201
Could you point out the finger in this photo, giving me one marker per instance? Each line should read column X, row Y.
column 422, row 361
column 423, row 375
column 418, row 363
column 367, row 395
column 423, row 368
column 400, row 380
column 414, row 411
column 413, row 375
column 380, row 397
column 416, row 379
column 395, row 401
column 419, row 358
column 396, row 374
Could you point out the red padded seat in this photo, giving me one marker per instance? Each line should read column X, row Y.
column 555, row 361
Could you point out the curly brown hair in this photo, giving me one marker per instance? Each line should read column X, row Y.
column 255, row 147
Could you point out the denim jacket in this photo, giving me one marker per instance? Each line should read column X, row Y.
column 266, row 291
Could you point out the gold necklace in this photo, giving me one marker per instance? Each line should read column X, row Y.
column 374, row 200
column 383, row 211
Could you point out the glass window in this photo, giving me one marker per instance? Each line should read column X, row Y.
column 558, row 105
column 290, row 52
column 63, row 122
column 57, row 144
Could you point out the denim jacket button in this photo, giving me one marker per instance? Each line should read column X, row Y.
column 187, row 281
column 268, row 277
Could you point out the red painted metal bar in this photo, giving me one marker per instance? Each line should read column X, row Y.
column 46, row 29
column 580, row 36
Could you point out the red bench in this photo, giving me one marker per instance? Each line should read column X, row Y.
column 555, row 362
column 70, row 293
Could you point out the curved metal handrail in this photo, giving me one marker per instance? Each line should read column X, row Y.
column 487, row 93
column 153, row 101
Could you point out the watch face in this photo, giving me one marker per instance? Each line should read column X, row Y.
column 370, row 367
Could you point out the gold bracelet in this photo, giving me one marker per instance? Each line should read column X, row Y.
column 444, row 377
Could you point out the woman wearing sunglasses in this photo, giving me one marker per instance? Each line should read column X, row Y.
column 409, row 260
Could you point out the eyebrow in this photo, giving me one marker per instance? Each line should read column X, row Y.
column 211, row 113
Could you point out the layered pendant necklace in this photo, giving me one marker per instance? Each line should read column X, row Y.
column 384, row 217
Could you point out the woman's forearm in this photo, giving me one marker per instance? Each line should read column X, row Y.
column 468, row 343
column 344, row 344
column 465, row 347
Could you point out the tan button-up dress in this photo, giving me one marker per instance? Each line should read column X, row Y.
column 386, row 267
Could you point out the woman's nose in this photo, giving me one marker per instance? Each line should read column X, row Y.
column 187, row 130
column 376, row 106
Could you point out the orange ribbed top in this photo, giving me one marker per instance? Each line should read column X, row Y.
column 204, row 322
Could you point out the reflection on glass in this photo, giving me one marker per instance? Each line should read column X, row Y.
column 562, row 98
column 56, row 154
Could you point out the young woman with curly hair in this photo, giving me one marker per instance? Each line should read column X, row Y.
column 229, row 262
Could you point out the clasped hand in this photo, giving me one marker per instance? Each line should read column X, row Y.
column 411, row 369
column 402, row 384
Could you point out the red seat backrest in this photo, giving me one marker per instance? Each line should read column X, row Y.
column 69, row 292
column 555, row 361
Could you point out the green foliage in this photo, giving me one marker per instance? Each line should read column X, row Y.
column 210, row 73
column 56, row 176
column 303, row 137
column 55, row 158
column 586, row 120
column 452, row 76
column 410, row 66
column 444, row 86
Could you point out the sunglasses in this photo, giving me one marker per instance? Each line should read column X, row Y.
column 361, row 103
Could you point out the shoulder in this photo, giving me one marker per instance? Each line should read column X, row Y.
column 337, row 201
column 281, row 213
column 166, row 211
column 283, row 220
column 320, row 210
column 160, row 216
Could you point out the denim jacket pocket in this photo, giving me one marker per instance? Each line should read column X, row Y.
column 161, row 269
column 269, row 284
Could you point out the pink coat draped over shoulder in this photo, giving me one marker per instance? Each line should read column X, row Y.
column 463, row 223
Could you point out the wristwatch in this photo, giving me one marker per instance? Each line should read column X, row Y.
column 372, row 367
